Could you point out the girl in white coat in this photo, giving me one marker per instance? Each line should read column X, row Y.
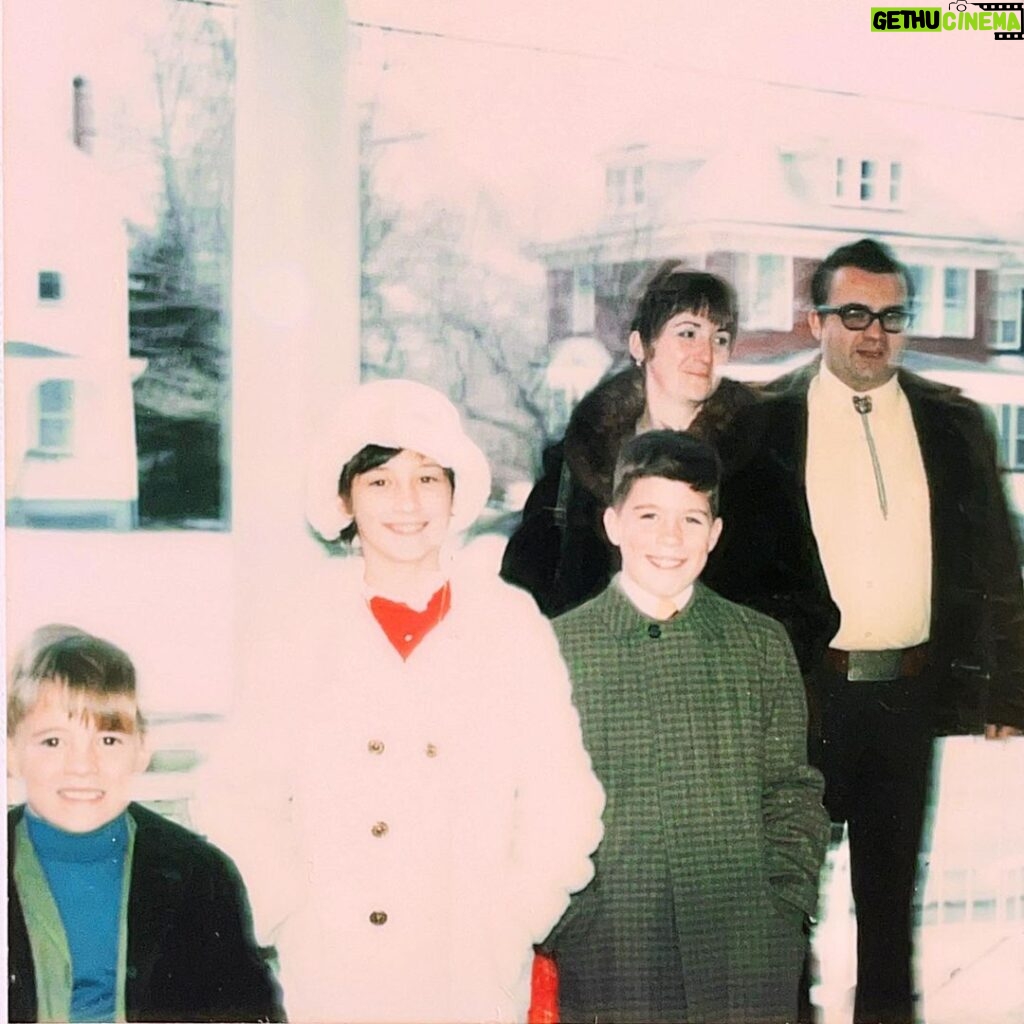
column 440, row 799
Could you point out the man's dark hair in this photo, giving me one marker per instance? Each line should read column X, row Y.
column 673, row 289
column 371, row 456
column 867, row 254
column 672, row 454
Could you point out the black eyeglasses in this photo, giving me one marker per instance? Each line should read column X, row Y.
column 856, row 317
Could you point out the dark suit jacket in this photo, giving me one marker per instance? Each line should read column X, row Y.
column 191, row 951
column 768, row 557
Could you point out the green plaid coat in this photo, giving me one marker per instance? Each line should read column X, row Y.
column 714, row 829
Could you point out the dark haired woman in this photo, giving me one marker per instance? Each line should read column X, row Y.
column 682, row 334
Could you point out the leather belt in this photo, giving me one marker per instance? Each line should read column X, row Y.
column 878, row 666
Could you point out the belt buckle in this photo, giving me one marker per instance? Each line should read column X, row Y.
column 874, row 666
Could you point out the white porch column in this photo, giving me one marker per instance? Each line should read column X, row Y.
column 295, row 329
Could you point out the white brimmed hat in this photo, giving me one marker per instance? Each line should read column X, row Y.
column 395, row 414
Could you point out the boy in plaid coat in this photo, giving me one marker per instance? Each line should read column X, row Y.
column 693, row 713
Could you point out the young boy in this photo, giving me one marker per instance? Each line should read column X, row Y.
column 693, row 713
column 114, row 913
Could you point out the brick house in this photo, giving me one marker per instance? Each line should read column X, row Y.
column 763, row 214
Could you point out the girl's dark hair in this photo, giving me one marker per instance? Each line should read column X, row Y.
column 371, row 456
column 672, row 454
column 673, row 289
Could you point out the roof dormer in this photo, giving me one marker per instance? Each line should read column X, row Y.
column 625, row 179
column 868, row 180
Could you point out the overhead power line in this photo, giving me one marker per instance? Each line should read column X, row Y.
column 731, row 74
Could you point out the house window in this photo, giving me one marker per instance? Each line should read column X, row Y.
column 954, row 301
column 583, row 299
column 895, row 182
column 615, row 187
column 1015, row 438
column 1011, row 436
column 922, row 280
column 764, row 282
column 49, row 285
column 1005, row 327
column 625, row 186
column 943, row 301
column 868, row 181
column 55, row 405
column 639, row 186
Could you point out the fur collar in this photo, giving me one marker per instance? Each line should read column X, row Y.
column 794, row 385
column 607, row 417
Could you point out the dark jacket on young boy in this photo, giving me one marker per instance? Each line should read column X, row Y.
column 714, row 828
column 191, row 953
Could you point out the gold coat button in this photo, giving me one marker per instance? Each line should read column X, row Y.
column 378, row 917
column 431, row 750
column 375, row 747
column 379, row 829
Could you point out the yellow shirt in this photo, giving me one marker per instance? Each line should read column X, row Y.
column 879, row 568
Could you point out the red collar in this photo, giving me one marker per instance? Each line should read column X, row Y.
column 405, row 627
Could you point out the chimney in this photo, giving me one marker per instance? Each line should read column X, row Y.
column 83, row 129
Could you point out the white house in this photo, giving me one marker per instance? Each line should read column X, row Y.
column 192, row 608
column 70, row 434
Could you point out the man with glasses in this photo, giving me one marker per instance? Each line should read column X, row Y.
column 868, row 515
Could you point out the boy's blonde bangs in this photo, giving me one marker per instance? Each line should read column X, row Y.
column 106, row 712
column 96, row 677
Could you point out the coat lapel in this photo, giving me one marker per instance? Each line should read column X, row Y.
column 937, row 440
column 788, row 440
column 156, row 894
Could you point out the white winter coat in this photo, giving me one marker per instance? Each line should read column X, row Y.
column 450, row 793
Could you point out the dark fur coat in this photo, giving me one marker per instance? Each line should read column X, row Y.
column 560, row 553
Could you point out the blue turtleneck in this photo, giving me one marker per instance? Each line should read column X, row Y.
column 85, row 872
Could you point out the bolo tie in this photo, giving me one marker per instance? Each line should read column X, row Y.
column 862, row 403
